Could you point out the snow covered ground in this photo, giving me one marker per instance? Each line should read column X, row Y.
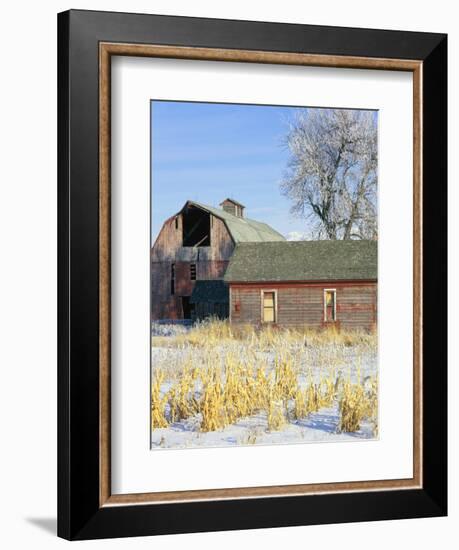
column 322, row 426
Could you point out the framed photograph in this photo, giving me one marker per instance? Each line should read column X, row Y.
column 252, row 275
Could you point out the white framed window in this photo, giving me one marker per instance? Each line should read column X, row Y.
column 269, row 306
column 329, row 305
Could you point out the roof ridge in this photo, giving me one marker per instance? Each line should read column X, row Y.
column 224, row 212
column 311, row 241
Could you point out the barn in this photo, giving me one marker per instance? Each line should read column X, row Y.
column 313, row 283
column 191, row 254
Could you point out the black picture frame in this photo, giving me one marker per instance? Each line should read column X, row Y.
column 80, row 515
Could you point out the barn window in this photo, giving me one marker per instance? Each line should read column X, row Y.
column 195, row 227
column 176, row 222
column 269, row 306
column 172, row 279
column 329, row 304
column 193, row 272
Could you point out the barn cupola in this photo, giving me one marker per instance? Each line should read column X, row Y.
column 233, row 207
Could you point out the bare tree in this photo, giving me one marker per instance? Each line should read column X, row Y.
column 332, row 172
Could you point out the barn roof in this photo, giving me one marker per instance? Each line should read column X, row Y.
column 215, row 291
column 303, row 261
column 242, row 229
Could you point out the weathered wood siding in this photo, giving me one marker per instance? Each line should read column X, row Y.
column 211, row 263
column 303, row 304
column 168, row 245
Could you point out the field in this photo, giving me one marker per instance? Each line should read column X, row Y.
column 214, row 384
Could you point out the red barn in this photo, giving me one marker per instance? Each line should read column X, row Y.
column 313, row 283
column 190, row 257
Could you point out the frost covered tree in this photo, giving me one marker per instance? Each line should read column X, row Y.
column 331, row 177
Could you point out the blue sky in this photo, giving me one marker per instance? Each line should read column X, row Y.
column 207, row 152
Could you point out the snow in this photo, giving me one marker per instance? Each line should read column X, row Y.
column 317, row 427
column 168, row 328
column 321, row 426
column 296, row 236
column 347, row 360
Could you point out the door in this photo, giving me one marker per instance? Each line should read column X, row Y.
column 187, row 308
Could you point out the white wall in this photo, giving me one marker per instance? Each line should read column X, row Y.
column 28, row 268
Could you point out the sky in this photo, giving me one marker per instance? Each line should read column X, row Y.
column 209, row 151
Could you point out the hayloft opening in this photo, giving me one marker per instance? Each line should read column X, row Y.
column 196, row 227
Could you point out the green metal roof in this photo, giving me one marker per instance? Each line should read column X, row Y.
column 242, row 230
column 215, row 291
column 303, row 261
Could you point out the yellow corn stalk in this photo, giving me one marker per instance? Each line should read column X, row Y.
column 158, row 402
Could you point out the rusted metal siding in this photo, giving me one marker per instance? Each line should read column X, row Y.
column 211, row 263
column 303, row 304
